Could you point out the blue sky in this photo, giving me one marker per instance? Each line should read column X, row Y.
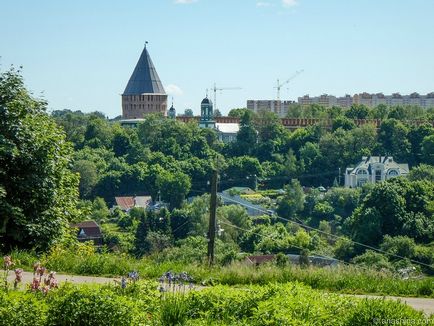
column 80, row 54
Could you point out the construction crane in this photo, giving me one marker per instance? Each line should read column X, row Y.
column 215, row 89
column 280, row 85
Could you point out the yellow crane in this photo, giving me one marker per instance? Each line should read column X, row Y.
column 215, row 89
column 280, row 85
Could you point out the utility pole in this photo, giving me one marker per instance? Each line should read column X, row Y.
column 212, row 218
column 339, row 177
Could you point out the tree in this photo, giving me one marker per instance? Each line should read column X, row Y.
column 217, row 113
column 173, row 187
column 357, row 112
column 39, row 191
column 293, row 200
column 428, row 149
column 393, row 139
column 343, row 122
column 422, row 172
column 242, row 170
column 98, row 133
column 394, row 207
column 153, row 231
column 247, row 137
column 240, row 112
column 88, row 177
column 121, row 142
column 416, row 137
column 188, row 113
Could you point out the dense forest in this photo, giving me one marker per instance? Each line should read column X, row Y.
column 68, row 166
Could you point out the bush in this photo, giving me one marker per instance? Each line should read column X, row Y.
column 173, row 310
column 373, row 260
column 89, row 306
column 22, row 309
column 373, row 311
column 139, row 304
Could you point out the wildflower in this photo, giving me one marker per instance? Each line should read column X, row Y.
column 36, row 267
column 123, row 282
column 7, row 262
column 45, row 289
column 18, row 277
column 35, row 284
column 51, row 280
column 41, row 271
column 134, row 275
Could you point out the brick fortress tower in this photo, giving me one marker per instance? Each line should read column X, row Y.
column 144, row 93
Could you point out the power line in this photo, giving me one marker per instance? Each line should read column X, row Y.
column 273, row 238
column 330, row 234
column 327, row 233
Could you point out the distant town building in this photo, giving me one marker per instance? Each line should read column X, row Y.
column 126, row 203
column 227, row 132
column 370, row 100
column 281, row 108
column 172, row 112
column 88, row 231
column 144, row 93
column 372, row 169
column 206, row 114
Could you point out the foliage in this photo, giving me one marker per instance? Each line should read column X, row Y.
column 39, row 192
column 284, row 304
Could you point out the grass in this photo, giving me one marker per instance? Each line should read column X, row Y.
column 141, row 304
column 342, row 279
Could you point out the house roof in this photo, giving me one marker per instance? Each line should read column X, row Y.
column 388, row 162
column 145, row 79
column 88, row 229
column 126, row 203
column 228, row 128
column 142, row 201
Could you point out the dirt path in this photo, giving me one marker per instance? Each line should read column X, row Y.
column 422, row 304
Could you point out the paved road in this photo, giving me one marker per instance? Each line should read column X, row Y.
column 423, row 304
column 28, row 277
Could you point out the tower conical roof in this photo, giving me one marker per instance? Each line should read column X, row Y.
column 144, row 78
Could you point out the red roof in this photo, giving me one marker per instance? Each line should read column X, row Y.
column 125, row 203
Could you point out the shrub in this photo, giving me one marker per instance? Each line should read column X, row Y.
column 377, row 311
column 22, row 309
column 373, row 260
column 89, row 306
column 173, row 310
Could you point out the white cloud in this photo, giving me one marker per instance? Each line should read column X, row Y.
column 263, row 4
column 289, row 3
column 173, row 90
column 184, row 2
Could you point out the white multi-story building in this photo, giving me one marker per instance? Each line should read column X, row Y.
column 372, row 169
column 370, row 100
column 279, row 107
